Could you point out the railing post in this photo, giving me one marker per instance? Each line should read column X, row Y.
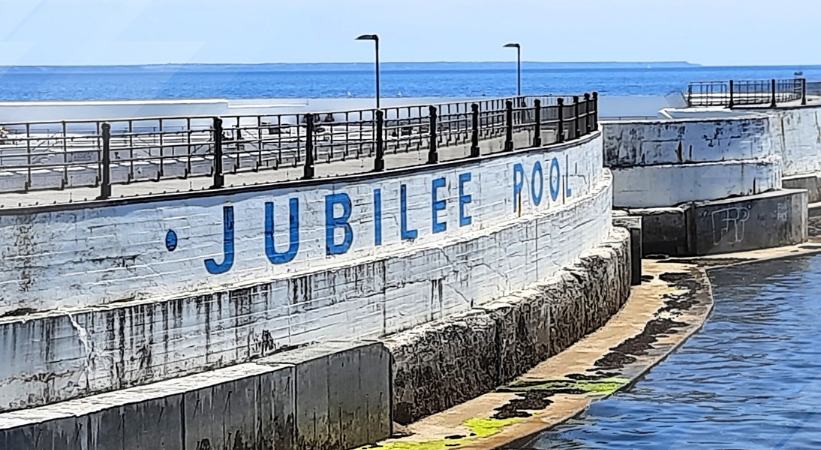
column 537, row 132
column 576, row 124
column 474, row 136
column 308, row 172
column 804, row 92
column 690, row 95
column 732, row 93
column 595, row 111
column 379, row 163
column 772, row 88
column 560, row 129
column 588, row 125
column 219, row 178
column 433, row 155
column 509, row 126
column 105, row 175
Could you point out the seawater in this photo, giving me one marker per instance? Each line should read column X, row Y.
column 357, row 80
column 748, row 380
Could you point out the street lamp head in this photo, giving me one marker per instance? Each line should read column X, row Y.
column 368, row 37
column 513, row 45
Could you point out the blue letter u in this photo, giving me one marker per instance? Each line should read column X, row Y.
column 332, row 223
column 227, row 244
column 270, row 244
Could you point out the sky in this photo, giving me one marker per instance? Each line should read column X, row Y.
column 710, row 32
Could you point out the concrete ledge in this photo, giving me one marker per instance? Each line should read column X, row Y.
column 333, row 396
column 768, row 220
column 221, row 409
column 675, row 184
column 444, row 363
column 810, row 183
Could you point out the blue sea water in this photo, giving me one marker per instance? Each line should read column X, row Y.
column 356, row 80
column 748, row 380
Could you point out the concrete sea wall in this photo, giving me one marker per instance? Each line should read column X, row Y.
column 662, row 163
column 447, row 362
column 480, row 231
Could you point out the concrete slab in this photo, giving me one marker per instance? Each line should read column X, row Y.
column 343, row 391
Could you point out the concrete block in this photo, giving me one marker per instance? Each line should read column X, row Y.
column 245, row 407
column 54, row 431
column 810, row 183
column 342, row 394
column 768, row 220
column 665, row 231
column 633, row 224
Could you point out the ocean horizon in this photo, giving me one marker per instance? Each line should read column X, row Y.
column 356, row 80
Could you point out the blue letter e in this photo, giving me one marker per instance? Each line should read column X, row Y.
column 332, row 222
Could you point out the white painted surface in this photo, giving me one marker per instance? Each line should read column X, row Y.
column 640, row 143
column 100, row 255
column 368, row 293
column 795, row 132
column 674, row 184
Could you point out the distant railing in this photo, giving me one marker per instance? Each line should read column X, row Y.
column 746, row 92
column 48, row 155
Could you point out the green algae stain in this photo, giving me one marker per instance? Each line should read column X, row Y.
column 483, row 428
column 480, row 428
column 604, row 387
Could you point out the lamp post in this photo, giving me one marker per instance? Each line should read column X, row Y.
column 375, row 39
column 518, row 66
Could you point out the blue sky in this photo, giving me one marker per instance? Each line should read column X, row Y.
column 713, row 32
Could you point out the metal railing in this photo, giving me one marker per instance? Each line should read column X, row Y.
column 746, row 92
column 47, row 155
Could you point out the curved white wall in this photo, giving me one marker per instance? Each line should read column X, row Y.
column 644, row 143
column 795, row 132
column 662, row 163
column 173, row 318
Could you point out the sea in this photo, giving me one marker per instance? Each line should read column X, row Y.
column 356, row 80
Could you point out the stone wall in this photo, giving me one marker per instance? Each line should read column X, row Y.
column 447, row 362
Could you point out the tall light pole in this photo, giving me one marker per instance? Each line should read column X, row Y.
column 375, row 39
column 518, row 66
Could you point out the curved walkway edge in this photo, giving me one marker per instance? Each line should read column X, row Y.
column 673, row 304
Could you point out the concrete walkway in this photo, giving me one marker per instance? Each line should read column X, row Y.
column 659, row 317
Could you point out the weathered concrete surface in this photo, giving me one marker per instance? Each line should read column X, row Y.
column 343, row 393
column 225, row 409
column 633, row 225
column 664, row 312
column 655, row 142
column 441, row 364
column 796, row 133
column 810, row 183
column 768, row 220
column 98, row 253
column 772, row 219
column 66, row 354
column 673, row 184
column 665, row 230
column 332, row 396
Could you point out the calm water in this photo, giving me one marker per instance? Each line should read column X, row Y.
column 749, row 380
column 356, row 80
